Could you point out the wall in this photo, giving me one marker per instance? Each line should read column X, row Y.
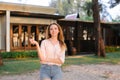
column 3, row 29
column 23, row 20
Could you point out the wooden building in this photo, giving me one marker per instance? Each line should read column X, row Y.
column 81, row 34
column 19, row 21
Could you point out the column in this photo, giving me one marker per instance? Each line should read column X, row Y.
column 104, row 36
column 8, row 31
column 0, row 33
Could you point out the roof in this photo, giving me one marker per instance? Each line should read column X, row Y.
column 77, row 20
column 72, row 16
column 36, row 15
column 26, row 8
column 21, row 10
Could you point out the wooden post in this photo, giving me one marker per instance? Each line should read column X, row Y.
column 1, row 62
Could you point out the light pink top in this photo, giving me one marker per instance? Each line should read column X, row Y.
column 52, row 51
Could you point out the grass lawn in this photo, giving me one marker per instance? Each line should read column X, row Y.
column 18, row 66
column 111, row 58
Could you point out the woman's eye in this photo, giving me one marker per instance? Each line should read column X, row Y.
column 51, row 29
column 55, row 28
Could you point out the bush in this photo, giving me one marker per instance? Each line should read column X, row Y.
column 112, row 48
column 23, row 54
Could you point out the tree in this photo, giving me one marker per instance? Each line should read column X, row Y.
column 65, row 7
column 99, row 40
column 62, row 6
column 113, row 3
column 88, row 8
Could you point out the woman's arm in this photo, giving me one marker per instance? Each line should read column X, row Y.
column 40, row 54
column 59, row 60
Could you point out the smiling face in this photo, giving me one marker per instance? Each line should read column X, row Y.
column 54, row 30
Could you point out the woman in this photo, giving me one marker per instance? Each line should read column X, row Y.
column 51, row 53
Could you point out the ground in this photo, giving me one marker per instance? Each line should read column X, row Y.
column 76, row 72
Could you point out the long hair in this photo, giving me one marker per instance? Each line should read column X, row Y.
column 60, row 35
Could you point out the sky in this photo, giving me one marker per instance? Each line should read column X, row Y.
column 114, row 12
column 33, row 2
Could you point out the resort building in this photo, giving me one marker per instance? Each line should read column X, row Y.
column 20, row 21
column 81, row 35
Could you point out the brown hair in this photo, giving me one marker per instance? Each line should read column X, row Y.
column 60, row 35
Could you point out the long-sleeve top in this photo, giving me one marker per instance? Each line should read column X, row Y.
column 52, row 51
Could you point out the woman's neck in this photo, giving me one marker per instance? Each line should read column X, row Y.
column 54, row 39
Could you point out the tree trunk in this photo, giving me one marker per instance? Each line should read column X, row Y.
column 99, row 40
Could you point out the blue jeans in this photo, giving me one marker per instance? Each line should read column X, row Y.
column 50, row 72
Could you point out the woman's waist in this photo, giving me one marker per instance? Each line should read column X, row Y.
column 50, row 63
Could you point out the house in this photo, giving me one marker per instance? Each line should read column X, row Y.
column 20, row 21
column 81, row 35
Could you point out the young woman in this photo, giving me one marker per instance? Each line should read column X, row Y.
column 51, row 53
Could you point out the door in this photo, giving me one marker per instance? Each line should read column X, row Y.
column 20, row 34
column 33, row 34
column 24, row 36
column 15, row 38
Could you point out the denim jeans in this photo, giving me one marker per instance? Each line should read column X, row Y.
column 50, row 72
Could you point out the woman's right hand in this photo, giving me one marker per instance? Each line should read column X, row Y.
column 32, row 41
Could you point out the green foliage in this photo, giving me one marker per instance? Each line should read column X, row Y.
column 112, row 49
column 88, row 8
column 65, row 7
column 86, row 18
column 33, row 54
column 23, row 54
column 117, row 20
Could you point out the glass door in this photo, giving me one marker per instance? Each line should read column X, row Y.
column 20, row 34
column 15, row 39
column 24, row 36
column 33, row 33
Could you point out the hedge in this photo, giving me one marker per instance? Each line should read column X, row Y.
column 23, row 54
column 112, row 48
column 33, row 54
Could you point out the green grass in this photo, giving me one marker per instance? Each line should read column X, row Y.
column 111, row 58
column 18, row 66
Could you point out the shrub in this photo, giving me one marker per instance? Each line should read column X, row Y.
column 112, row 48
column 23, row 54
